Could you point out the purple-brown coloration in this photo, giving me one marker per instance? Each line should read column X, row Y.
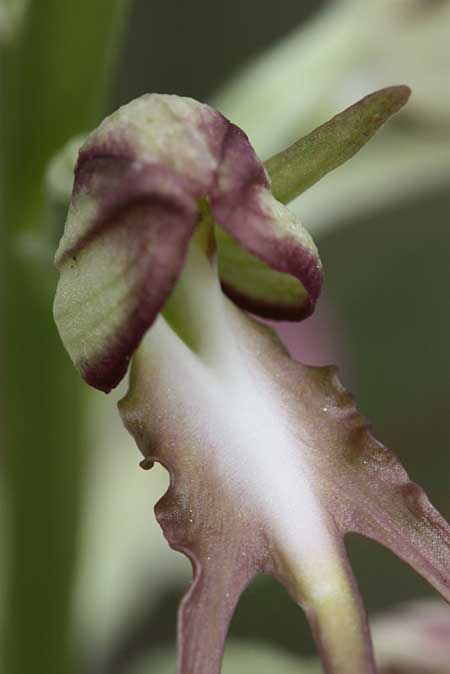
column 125, row 174
column 210, row 513
column 264, row 308
column 239, row 213
column 118, row 184
column 160, row 215
column 312, row 282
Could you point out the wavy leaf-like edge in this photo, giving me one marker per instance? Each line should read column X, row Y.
column 271, row 466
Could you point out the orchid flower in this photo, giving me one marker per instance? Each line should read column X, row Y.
column 175, row 231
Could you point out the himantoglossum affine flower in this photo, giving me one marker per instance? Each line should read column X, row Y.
column 173, row 229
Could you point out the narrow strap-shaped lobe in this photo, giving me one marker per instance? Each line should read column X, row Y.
column 405, row 522
column 205, row 614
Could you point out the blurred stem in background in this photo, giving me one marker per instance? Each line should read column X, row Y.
column 55, row 63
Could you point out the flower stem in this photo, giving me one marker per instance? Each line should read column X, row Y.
column 51, row 89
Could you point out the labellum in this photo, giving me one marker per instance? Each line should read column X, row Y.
column 172, row 234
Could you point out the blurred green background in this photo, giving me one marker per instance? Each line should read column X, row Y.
column 385, row 315
column 192, row 48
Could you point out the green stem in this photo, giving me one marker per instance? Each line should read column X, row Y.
column 53, row 79
column 43, row 464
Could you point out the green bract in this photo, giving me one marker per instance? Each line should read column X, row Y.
column 332, row 144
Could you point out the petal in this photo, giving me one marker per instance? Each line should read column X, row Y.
column 271, row 465
column 140, row 180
